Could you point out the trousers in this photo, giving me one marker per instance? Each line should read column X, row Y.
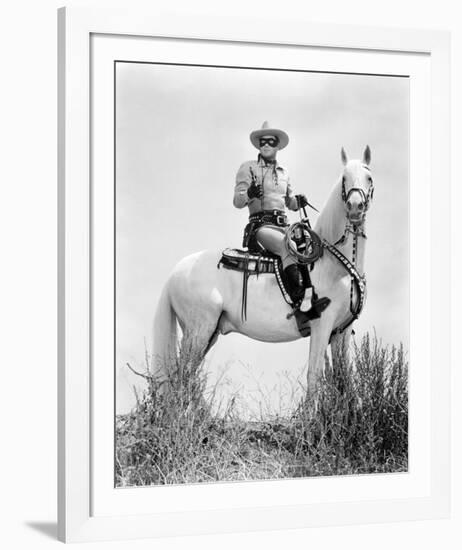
column 272, row 238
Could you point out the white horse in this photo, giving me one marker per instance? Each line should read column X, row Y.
column 206, row 301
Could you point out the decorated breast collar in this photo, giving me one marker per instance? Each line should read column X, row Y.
column 358, row 282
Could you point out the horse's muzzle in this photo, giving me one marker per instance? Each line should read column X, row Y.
column 356, row 218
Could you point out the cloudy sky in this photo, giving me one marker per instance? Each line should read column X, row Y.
column 182, row 133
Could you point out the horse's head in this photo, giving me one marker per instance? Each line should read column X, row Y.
column 357, row 186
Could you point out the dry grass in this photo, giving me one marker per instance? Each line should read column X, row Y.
column 358, row 426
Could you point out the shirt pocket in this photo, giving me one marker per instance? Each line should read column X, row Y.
column 283, row 182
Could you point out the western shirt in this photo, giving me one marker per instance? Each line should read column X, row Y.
column 274, row 179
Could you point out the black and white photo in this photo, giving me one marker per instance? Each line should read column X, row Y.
column 261, row 273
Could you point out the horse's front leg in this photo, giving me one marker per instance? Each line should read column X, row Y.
column 320, row 333
column 339, row 346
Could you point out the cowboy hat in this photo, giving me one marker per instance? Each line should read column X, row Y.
column 267, row 131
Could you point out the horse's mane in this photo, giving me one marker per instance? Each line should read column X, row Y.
column 331, row 220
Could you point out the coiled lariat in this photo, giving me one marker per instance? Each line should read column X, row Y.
column 303, row 244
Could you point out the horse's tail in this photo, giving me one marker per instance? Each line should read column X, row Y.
column 165, row 334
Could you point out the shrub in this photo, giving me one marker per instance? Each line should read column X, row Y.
column 357, row 425
column 360, row 419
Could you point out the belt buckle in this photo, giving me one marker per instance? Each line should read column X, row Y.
column 280, row 219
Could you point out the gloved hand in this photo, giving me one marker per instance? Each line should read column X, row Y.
column 301, row 200
column 255, row 191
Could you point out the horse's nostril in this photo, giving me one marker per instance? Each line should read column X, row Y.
column 348, row 204
column 360, row 206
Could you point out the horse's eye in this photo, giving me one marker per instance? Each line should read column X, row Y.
column 370, row 179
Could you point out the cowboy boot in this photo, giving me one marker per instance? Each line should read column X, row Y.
column 304, row 318
column 296, row 280
column 318, row 305
column 295, row 283
column 296, row 290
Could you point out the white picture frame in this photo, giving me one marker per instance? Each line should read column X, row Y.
column 89, row 508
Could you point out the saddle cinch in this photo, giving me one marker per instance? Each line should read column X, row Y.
column 307, row 246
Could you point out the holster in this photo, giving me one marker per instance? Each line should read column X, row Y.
column 249, row 240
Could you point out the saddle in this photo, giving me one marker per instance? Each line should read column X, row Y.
column 255, row 261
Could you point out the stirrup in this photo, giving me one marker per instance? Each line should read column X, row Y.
column 303, row 318
column 303, row 323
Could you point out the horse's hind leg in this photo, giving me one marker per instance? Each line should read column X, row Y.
column 214, row 337
column 199, row 338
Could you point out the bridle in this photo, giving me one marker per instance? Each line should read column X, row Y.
column 366, row 199
column 356, row 228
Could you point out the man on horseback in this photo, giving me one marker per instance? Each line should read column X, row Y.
column 263, row 185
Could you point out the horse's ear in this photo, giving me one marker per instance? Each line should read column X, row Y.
column 367, row 155
column 344, row 156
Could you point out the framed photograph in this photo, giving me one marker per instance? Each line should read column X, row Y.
column 254, row 275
